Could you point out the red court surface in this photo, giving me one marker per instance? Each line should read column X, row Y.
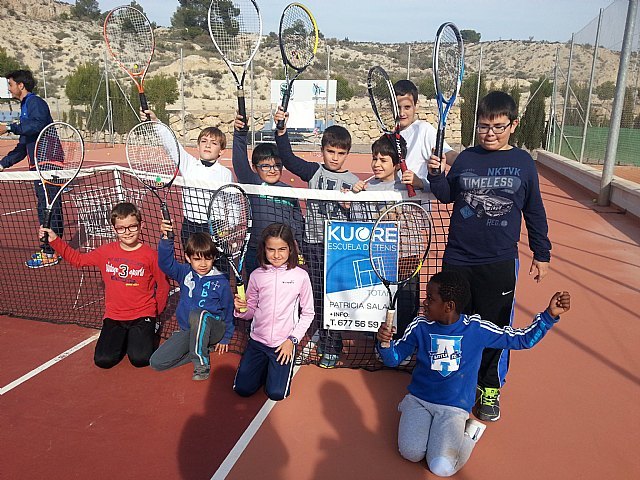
column 569, row 407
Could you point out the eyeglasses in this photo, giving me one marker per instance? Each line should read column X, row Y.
column 265, row 167
column 495, row 128
column 130, row 228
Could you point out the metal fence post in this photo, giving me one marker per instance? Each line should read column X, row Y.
column 604, row 198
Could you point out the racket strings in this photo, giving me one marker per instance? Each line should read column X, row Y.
column 400, row 242
column 449, row 57
column 235, row 27
column 59, row 153
column 152, row 153
column 229, row 220
column 298, row 37
column 129, row 37
column 383, row 100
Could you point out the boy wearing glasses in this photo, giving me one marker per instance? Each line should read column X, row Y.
column 265, row 169
column 136, row 290
column 492, row 186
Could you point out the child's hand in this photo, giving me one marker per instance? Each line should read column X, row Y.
column 359, row 186
column 239, row 303
column 221, row 348
column 410, row 178
column 559, row 304
column 144, row 114
column 285, row 352
column 281, row 115
column 540, row 269
column 435, row 163
column 42, row 230
column 238, row 124
column 385, row 333
column 165, row 227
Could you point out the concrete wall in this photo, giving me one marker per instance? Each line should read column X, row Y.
column 624, row 193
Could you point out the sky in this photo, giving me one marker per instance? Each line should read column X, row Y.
column 418, row 20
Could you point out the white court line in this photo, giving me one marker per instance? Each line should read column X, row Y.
column 243, row 442
column 46, row 365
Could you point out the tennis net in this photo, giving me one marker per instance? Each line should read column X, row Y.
column 344, row 321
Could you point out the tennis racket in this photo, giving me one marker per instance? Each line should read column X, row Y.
column 398, row 246
column 153, row 155
column 59, row 153
column 229, row 218
column 235, row 27
column 298, row 45
column 448, row 70
column 129, row 38
column 385, row 107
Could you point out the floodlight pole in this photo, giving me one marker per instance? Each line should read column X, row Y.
column 604, row 198
column 475, row 110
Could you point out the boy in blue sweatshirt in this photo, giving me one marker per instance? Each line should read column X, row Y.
column 205, row 308
column 492, row 186
column 434, row 421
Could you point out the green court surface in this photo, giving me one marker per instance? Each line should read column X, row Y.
column 596, row 145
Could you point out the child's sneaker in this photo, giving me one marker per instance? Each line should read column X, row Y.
column 474, row 429
column 200, row 373
column 41, row 259
column 488, row 406
column 329, row 360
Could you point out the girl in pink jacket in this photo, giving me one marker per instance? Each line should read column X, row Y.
column 280, row 301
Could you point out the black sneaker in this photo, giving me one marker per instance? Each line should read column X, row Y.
column 488, row 404
column 200, row 373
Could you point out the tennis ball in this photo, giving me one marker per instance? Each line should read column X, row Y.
column 158, row 179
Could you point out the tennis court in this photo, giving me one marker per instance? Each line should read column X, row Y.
column 568, row 408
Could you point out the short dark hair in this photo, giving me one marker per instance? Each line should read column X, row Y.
column 386, row 145
column 336, row 136
column 264, row 151
column 199, row 244
column 123, row 210
column 23, row 76
column 284, row 232
column 216, row 133
column 406, row 87
column 495, row 104
column 454, row 287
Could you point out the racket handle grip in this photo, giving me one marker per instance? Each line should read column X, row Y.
column 167, row 217
column 285, row 105
column 242, row 295
column 44, row 239
column 144, row 105
column 242, row 109
column 389, row 322
column 438, row 150
column 410, row 190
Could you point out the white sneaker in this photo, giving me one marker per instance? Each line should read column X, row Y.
column 474, row 429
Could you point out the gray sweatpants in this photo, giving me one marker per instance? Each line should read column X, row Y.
column 434, row 432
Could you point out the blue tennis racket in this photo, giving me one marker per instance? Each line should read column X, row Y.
column 448, row 70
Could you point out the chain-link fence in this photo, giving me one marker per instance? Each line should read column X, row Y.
column 585, row 84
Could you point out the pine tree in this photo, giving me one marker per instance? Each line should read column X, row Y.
column 468, row 107
column 532, row 123
column 86, row 9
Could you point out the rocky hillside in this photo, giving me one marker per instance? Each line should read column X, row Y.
column 62, row 45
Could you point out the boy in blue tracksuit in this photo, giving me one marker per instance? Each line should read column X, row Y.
column 434, row 421
column 34, row 116
column 205, row 309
